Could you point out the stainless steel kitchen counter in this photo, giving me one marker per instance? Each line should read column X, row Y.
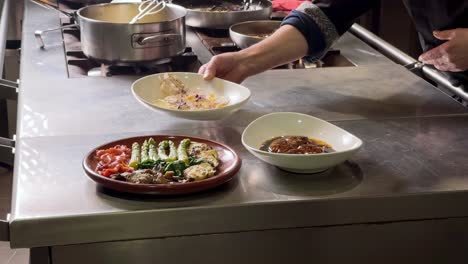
column 412, row 165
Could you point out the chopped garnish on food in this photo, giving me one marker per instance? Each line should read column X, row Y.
column 178, row 96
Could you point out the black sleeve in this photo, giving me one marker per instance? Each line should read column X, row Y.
column 343, row 13
column 323, row 21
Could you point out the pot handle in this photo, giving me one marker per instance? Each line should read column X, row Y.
column 51, row 7
column 38, row 34
column 163, row 39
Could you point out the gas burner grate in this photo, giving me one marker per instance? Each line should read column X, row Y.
column 80, row 66
column 216, row 41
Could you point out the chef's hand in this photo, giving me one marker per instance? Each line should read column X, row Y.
column 285, row 45
column 452, row 55
column 228, row 66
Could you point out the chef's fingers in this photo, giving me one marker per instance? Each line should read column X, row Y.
column 450, row 67
column 445, row 35
column 434, row 53
column 210, row 70
column 444, row 59
column 430, row 55
column 202, row 69
column 443, row 66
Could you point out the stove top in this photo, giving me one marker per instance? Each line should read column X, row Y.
column 78, row 65
column 216, row 41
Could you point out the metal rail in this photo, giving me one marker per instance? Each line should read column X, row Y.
column 4, row 6
column 8, row 89
column 412, row 64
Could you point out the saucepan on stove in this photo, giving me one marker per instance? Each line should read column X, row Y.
column 221, row 14
column 107, row 36
column 248, row 33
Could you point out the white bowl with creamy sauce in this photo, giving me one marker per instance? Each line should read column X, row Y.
column 159, row 92
column 341, row 145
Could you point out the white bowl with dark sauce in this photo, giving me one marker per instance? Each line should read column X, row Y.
column 299, row 143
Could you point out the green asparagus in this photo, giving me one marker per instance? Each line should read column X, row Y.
column 135, row 157
column 163, row 145
column 172, row 152
column 182, row 150
column 144, row 152
column 152, row 152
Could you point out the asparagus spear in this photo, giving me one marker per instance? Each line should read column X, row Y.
column 144, row 152
column 182, row 150
column 172, row 152
column 135, row 157
column 163, row 145
column 152, row 152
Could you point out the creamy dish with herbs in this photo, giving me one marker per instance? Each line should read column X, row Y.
column 179, row 97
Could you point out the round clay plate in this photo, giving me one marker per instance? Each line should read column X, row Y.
column 229, row 164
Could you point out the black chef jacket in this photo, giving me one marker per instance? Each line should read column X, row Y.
column 324, row 21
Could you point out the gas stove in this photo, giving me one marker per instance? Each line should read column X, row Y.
column 78, row 65
column 218, row 42
column 215, row 41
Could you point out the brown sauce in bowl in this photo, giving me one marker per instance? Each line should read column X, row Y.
column 296, row 145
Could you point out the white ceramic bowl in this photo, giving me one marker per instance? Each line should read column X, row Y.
column 295, row 124
column 146, row 91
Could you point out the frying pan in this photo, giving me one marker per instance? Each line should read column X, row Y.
column 248, row 33
column 201, row 14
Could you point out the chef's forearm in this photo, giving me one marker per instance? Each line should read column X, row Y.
column 310, row 30
column 285, row 45
column 324, row 21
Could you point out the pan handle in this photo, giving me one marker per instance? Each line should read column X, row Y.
column 38, row 34
column 163, row 39
column 51, row 7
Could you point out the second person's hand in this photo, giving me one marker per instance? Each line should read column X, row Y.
column 452, row 55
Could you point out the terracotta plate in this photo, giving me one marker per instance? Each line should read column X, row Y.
column 228, row 159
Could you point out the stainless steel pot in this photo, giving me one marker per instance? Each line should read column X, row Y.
column 248, row 33
column 107, row 36
column 200, row 16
